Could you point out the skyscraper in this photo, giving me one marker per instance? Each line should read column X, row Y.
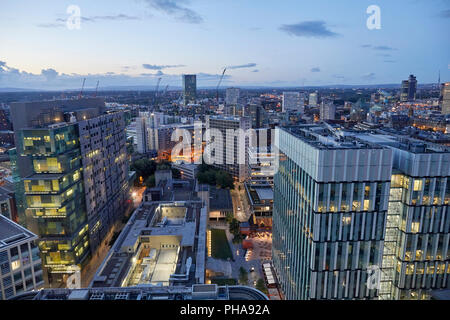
column 330, row 207
column 292, row 101
column 446, row 98
column 408, row 90
column 416, row 245
column 189, row 88
column 313, row 99
column 228, row 154
column 72, row 164
column 232, row 96
column 327, row 110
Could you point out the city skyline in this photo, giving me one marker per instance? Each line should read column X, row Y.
column 272, row 44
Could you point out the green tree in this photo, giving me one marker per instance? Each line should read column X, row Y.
column 261, row 286
column 243, row 276
column 150, row 182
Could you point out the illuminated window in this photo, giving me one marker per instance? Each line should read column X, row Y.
column 15, row 265
column 415, row 227
column 418, row 185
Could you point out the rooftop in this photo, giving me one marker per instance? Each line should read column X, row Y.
column 11, row 232
column 195, row 292
column 220, row 199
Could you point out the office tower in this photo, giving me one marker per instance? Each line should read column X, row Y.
column 147, row 126
column 257, row 114
column 141, row 135
column 72, row 167
column 20, row 263
column 228, row 157
column 313, row 99
column 232, row 96
column 293, row 101
column 327, row 110
column 330, row 206
column 446, row 98
column 408, row 90
column 189, row 88
column 416, row 248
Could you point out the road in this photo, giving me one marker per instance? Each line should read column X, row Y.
column 239, row 200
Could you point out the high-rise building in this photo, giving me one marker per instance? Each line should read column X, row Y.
column 232, row 96
column 327, row 110
column 189, row 88
column 360, row 215
column 293, row 101
column 446, row 98
column 257, row 114
column 313, row 99
column 73, row 181
column 228, row 155
column 330, row 206
column 416, row 251
column 408, row 90
column 20, row 263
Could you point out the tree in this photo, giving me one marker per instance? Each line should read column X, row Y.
column 261, row 286
column 243, row 276
column 150, row 182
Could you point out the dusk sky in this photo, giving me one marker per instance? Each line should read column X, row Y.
column 267, row 43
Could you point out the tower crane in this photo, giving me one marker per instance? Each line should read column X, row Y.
column 218, row 85
column 82, row 87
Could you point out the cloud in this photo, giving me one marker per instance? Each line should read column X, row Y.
column 338, row 76
column 161, row 67
column 51, row 79
column 311, row 29
column 176, row 9
column 315, row 69
column 49, row 74
column 445, row 14
column 256, row 70
column 60, row 22
column 390, row 61
column 378, row 48
column 369, row 76
column 383, row 48
column 384, row 55
column 242, row 66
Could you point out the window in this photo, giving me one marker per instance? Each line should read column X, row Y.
column 15, row 265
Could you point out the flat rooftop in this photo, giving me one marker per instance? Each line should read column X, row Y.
column 220, row 199
column 327, row 136
column 11, row 232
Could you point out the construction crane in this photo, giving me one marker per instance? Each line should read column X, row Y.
column 82, row 87
column 218, row 85
column 96, row 89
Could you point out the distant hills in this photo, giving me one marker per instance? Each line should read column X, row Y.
column 172, row 88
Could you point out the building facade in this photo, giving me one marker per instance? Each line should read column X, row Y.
column 330, row 208
column 293, row 101
column 72, row 181
column 231, row 153
column 189, row 88
column 20, row 262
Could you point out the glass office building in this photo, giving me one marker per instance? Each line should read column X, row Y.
column 54, row 197
column 416, row 252
column 330, row 207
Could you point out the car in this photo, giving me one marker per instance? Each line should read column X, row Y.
column 239, row 208
column 252, row 269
